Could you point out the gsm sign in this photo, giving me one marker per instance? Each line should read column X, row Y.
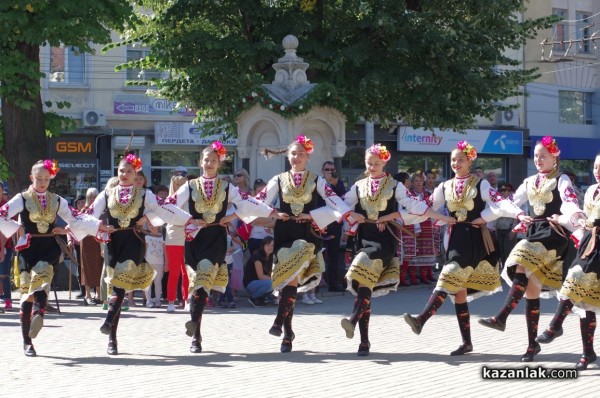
column 73, row 147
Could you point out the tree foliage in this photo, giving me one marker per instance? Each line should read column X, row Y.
column 25, row 26
column 435, row 63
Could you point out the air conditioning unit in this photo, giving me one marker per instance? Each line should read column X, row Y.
column 507, row 118
column 92, row 118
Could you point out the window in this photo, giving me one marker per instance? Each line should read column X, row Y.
column 575, row 107
column 560, row 32
column 582, row 31
column 413, row 163
column 67, row 66
column 135, row 54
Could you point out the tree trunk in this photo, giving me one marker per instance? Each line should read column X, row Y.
column 24, row 132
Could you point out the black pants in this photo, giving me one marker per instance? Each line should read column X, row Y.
column 332, row 246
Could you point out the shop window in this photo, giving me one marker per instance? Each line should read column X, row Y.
column 419, row 163
column 164, row 163
column 582, row 170
column 575, row 107
column 493, row 165
column 67, row 66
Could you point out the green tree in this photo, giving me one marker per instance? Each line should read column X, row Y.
column 431, row 63
column 25, row 26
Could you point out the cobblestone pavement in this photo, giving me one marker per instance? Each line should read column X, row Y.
column 240, row 359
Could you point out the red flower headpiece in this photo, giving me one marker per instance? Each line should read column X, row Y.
column 306, row 143
column 550, row 144
column 468, row 149
column 134, row 161
column 380, row 151
column 52, row 166
column 220, row 149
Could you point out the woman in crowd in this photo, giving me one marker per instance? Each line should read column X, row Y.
column 174, row 245
column 207, row 198
column 297, row 243
column 38, row 246
column 536, row 262
column 471, row 270
column 375, row 270
column 257, row 273
column 581, row 289
column 127, row 208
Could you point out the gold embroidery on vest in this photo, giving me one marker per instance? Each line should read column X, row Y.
column 463, row 203
column 295, row 196
column 42, row 217
column 124, row 213
column 592, row 208
column 209, row 208
column 374, row 204
column 542, row 195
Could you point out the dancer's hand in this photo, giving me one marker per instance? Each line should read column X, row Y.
column 303, row 217
column 281, row 216
column 478, row 221
column 227, row 219
column 359, row 218
column 380, row 226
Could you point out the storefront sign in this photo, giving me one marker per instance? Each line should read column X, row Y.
column 141, row 104
column 176, row 133
column 500, row 142
column 73, row 147
column 572, row 148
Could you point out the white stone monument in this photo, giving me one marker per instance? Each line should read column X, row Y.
column 260, row 128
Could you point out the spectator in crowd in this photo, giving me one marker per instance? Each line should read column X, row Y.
column 261, row 227
column 90, row 260
column 174, row 250
column 257, row 273
column 334, row 231
column 430, row 177
column 241, row 179
column 180, row 171
column 478, row 172
column 6, row 250
column 505, row 237
column 492, row 179
column 79, row 203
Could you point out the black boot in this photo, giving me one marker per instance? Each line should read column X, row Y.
column 464, row 324
column 555, row 328
column 517, row 290
column 196, row 346
column 588, row 328
column 532, row 317
column 287, row 302
column 435, row 301
column 361, row 304
column 363, row 328
column 112, row 338
column 197, row 306
column 25, row 319
column 114, row 308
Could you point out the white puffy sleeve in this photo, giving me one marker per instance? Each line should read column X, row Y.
column 80, row 225
column 8, row 226
column 248, row 209
column 496, row 206
column 335, row 208
column 166, row 213
column 569, row 208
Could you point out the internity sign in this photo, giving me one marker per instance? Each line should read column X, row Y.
column 500, row 142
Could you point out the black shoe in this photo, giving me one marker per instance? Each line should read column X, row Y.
column 196, row 347
column 363, row 349
column 548, row 336
column 105, row 328
column 29, row 350
column 275, row 331
column 80, row 296
column 85, row 303
column 190, row 328
column 257, row 302
column 286, row 344
column 583, row 362
column 112, row 349
column 462, row 349
column 492, row 323
column 414, row 323
column 348, row 327
column 531, row 353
